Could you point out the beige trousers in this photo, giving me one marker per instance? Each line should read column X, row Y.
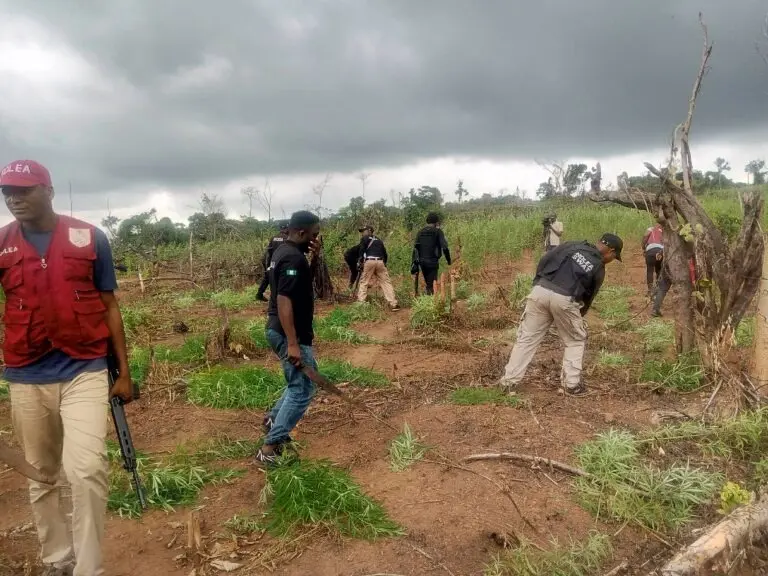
column 374, row 271
column 62, row 428
column 542, row 309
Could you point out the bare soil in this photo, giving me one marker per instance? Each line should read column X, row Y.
column 448, row 511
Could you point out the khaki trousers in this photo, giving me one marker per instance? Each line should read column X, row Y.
column 62, row 428
column 374, row 271
column 542, row 309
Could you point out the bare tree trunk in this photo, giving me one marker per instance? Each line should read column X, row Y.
column 759, row 366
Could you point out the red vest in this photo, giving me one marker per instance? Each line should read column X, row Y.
column 655, row 235
column 51, row 302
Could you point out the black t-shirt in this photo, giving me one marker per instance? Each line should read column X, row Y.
column 291, row 277
column 430, row 245
column 373, row 247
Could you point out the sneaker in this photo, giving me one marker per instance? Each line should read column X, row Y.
column 267, row 423
column 507, row 386
column 395, row 308
column 579, row 390
column 50, row 570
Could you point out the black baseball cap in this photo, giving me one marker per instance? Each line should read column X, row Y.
column 366, row 227
column 613, row 241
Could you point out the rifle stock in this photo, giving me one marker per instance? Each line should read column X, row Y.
column 117, row 407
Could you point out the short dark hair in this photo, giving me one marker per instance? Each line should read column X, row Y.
column 433, row 218
column 303, row 220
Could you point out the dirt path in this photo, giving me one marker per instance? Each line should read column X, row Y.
column 448, row 512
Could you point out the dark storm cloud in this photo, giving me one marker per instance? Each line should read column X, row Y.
column 204, row 94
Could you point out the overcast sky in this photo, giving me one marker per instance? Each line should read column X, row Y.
column 144, row 103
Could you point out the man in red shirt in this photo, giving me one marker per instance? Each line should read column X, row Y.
column 60, row 315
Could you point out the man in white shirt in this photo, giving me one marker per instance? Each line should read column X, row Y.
column 553, row 230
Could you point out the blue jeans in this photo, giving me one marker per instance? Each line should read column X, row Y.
column 297, row 394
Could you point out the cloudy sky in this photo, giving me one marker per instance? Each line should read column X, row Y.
column 143, row 103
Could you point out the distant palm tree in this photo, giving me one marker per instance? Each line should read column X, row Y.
column 722, row 165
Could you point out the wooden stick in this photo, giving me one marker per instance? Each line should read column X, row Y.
column 620, row 569
column 514, row 456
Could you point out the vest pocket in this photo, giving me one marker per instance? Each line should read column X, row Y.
column 90, row 318
column 79, row 268
column 17, row 326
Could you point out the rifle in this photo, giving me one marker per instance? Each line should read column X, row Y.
column 415, row 271
column 359, row 274
column 117, row 404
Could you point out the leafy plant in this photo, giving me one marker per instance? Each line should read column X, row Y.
column 474, row 395
column 463, row 289
column 243, row 525
column 427, row 312
column 732, row 496
column 256, row 333
column 139, row 363
column 745, row 332
column 613, row 359
column 244, row 387
column 405, row 449
column 184, row 301
column 135, row 318
column 340, row 371
column 311, row 493
column 612, row 305
column 3, row 390
column 657, row 334
column 476, row 302
column 683, row 375
column 575, row 559
column 519, row 290
column 232, row 300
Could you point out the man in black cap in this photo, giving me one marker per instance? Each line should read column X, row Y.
column 429, row 247
column 373, row 255
column 567, row 280
column 267, row 262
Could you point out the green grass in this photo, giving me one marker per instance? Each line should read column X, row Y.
column 192, row 351
column 683, row 375
column 658, row 335
column 613, row 359
column 232, row 300
column 312, row 493
column 3, row 390
column 244, row 387
column 135, row 318
column 474, row 396
column 519, row 290
column 256, row 333
column 745, row 332
column 244, row 525
column 221, row 448
column 612, row 305
column 476, row 302
column 139, row 363
column 427, row 313
column 760, row 472
column 624, row 487
column 340, row 371
column 744, row 436
column 575, row 559
column 335, row 326
column 405, row 450
column 166, row 485
column 463, row 289
column 184, row 301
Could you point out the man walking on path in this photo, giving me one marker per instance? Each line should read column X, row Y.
column 289, row 331
column 567, row 280
column 653, row 248
column 429, row 247
column 553, row 230
column 267, row 263
column 373, row 255
column 60, row 315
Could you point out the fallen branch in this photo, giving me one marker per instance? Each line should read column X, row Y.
column 514, row 456
column 620, row 569
column 725, row 538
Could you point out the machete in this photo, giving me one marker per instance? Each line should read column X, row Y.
column 15, row 460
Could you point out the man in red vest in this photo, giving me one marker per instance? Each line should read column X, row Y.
column 60, row 314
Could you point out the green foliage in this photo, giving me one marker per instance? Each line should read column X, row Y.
column 257, row 333
column 575, row 559
column 243, row 525
column 3, row 390
column 625, row 488
column 232, row 300
column 427, row 312
column 760, row 473
column 732, row 496
column 192, row 351
column 521, row 287
column 613, row 359
column 729, row 224
column 335, row 326
column 683, row 375
column 405, row 449
column 476, row 302
column 463, row 289
column 184, row 301
column 745, row 435
column 340, row 371
column 745, row 332
column 657, row 335
column 474, row 395
column 612, row 305
column 312, row 493
column 135, row 318
column 139, row 363
column 221, row 448
column 166, row 485
column 244, row 387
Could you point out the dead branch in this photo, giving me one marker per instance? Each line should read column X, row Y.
column 620, row 569
column 514, row 456
column 716, row 546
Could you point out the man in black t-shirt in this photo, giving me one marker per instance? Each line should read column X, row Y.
column 429, row 247
column 289, row 331
column 267, row 262
column 373, row 255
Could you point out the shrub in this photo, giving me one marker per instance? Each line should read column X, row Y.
column 245, row 387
